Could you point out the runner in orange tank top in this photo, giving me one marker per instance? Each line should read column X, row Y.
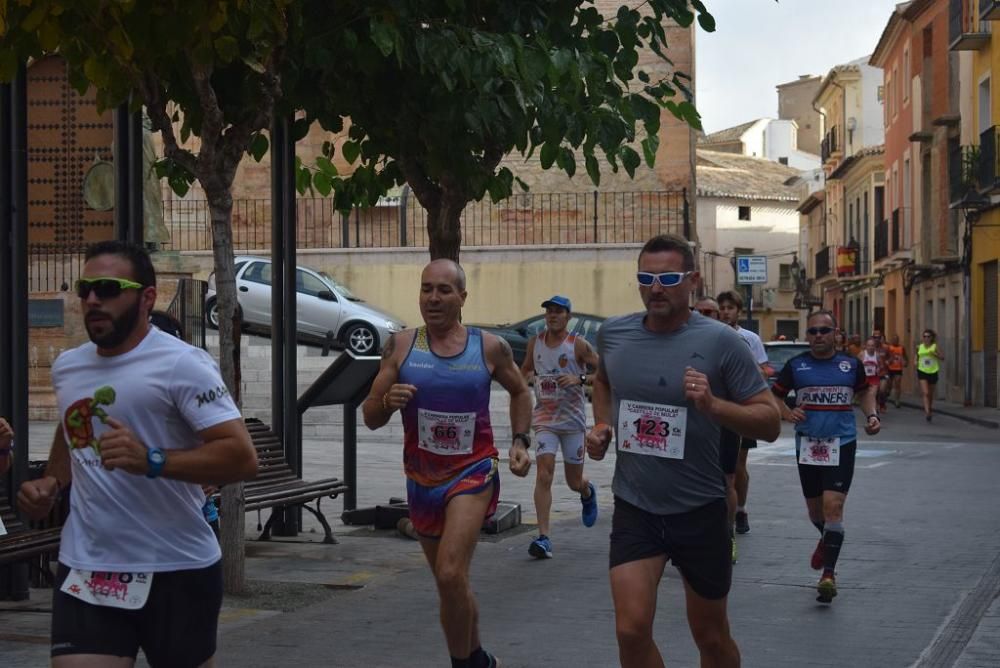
column 898, row 360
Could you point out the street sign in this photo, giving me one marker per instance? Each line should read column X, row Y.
column 751, row 269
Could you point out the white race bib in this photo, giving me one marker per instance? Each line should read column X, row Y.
column 819, row 451
column 3, row 529
column 446, row 433
column 927, row 361
column 548, row 387
column 652, row 429
column 116, row 590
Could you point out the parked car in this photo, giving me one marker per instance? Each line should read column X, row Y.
column 779, row 352
column 518, row 333
column 322, row 305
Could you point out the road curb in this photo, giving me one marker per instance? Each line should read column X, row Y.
column 982, row 422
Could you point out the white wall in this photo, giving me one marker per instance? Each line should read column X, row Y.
column 773, row 229
column 871, row 117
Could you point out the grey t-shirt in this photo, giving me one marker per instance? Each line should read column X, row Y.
column 649, row 367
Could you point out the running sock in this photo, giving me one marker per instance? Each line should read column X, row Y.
column 833, row 539
column 741, row 509
column 819, row 525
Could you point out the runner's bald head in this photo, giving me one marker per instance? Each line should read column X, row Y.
column 453, row 268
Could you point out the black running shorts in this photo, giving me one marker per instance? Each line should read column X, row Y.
column 818, row 479
column 748, row 443
column 697, row 542
column 729, row 450
column 931, row 378
column 175, row 629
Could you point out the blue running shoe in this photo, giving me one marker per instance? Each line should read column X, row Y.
column 541, row 548
column 590, row 507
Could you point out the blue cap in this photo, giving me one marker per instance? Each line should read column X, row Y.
column 558, row 300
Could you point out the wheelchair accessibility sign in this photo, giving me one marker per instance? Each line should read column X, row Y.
column 751, row 269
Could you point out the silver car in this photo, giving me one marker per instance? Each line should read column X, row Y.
column 322, row 305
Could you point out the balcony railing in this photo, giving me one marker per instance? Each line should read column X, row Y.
column 882, row 240
column 829, row 145
column 988, row 156
column 963, row 170
column 966, row 30
column 989, row 10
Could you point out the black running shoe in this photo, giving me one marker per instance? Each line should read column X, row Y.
column 742, row 522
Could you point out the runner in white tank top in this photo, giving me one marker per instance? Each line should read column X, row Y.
column 558, row 360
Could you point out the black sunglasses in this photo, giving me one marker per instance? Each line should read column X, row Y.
column 105, row 287
column 813, row 331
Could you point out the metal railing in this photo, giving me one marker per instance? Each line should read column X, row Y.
column 188, row 308
column 54, row 267
column 521, row 220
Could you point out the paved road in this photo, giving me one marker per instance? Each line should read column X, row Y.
column 918, row 576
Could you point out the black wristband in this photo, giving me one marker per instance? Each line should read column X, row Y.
column 583, row 379
column 875, row 415
column 524, row 438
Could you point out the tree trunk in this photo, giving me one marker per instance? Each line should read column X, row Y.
column 444, row 226
column 232, row 522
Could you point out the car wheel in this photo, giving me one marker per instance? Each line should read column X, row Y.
column 212, row 313
column 361, row 339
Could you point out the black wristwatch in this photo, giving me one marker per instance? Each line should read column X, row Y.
column 583, row 379
column 875, row 415
column 524, row 438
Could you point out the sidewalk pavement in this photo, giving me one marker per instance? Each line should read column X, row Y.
column 982, row 416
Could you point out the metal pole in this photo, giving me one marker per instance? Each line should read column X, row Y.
column 121, row 160
column 351, row 455
column 283, row 312
column 967, row 298
column 134, row 224
column 404, row 200
column 15, row 278
column 749, row 300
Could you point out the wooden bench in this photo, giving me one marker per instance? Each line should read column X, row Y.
column 277, row 486
column 24, row 543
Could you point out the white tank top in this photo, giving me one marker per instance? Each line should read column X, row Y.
column 871, row 363
column 557, row 408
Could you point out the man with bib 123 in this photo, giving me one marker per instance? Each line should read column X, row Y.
column 558, row 362
column 139, row 568
column 439, row 377
column 825, row 383
column 668, row 379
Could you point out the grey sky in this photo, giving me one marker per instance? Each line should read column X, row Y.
column 760, row 43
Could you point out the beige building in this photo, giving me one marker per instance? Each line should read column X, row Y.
column 795, row 103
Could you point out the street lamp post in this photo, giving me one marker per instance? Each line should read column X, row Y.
column 971, row 205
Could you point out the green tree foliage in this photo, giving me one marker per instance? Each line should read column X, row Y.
column 438, row 91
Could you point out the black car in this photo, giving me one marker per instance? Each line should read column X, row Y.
column 778, row 353
column 517, row 334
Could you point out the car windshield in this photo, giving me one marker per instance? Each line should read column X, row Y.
column 341, row 288
column 778, row 355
